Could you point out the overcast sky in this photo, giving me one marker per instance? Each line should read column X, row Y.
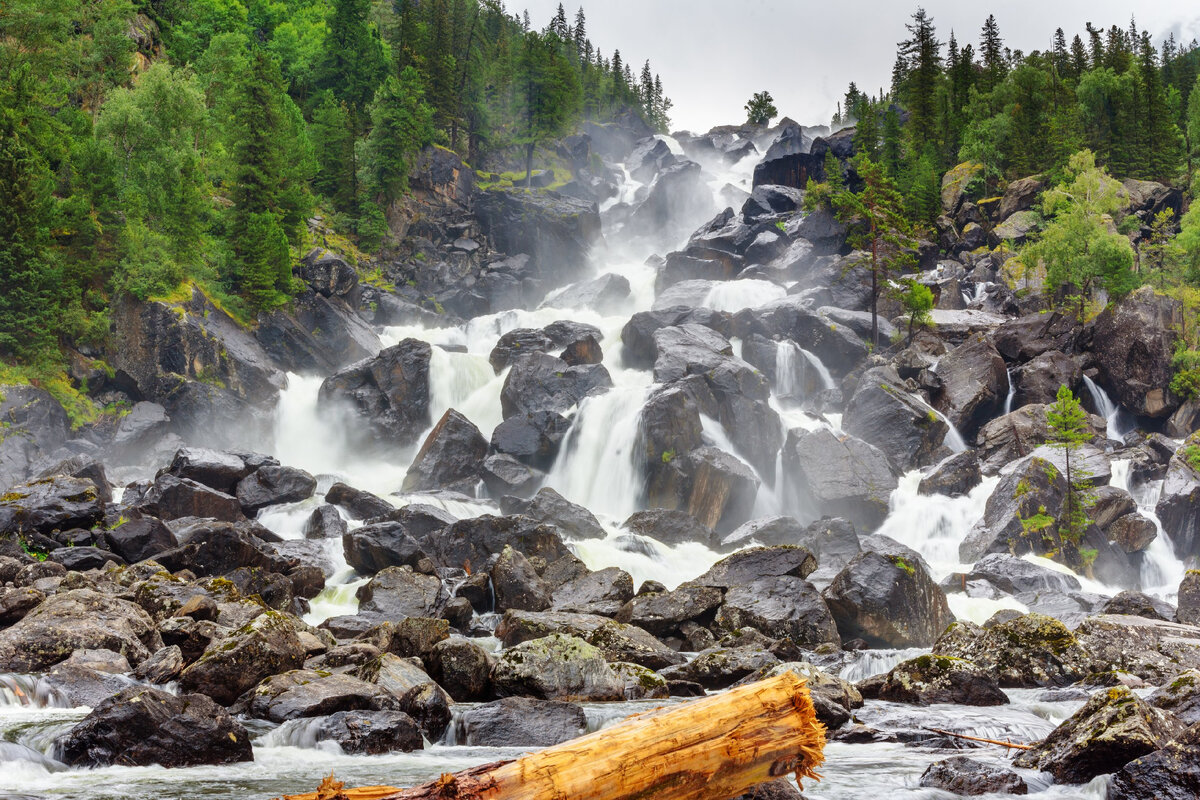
column 713, row 54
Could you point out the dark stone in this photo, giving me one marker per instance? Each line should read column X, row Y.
column 602, row 592
column 516, row 343
column 886, row 415
column 1133, row 342
column 306, row 693
column 541, row 382
column 889, row 601
column 429, row 705
column 449, row 458
column 50, row 504
column 387, row 396
column 839, row 476
column 462, row 668
column 359, row 504
column 557, row 667
column 1169, row 773
column 175, row 498
column 974, row 383
column 235, row 663
column 141, row 727
column 954, row 477
column 782, row 607
column 398, row 592
column 517, row 584
column 213, row 468
column 927, row 680
column 531, row 438
column 325, row 522
column 270, row 486
column 504, row 475
column 965, row 776
column 372, row 733
column 139, row 539
column 521, row 722
column 573, row 520
column 1037, row 381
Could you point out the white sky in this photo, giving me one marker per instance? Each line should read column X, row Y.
column 714, row 54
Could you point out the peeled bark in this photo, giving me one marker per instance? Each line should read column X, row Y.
column 714, row 748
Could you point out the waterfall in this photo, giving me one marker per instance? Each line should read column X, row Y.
column 734, row 296
column 1162, row 571
column 1012, row 391
column 954, row 440
column 798, row 373
column 1118, row 426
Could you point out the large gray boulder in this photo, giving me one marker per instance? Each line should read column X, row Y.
column 79, row 619
column 521, row 722
column 385, row 398
column 1133, row 342
column 839, row 476
column 888, row 601
column 974, row 383
column 1179, row 498
column 885, row 414
column 557, row 667
column 450, row 458
column 782, row 607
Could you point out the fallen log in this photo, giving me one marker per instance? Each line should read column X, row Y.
column 714, row 748
column 1000, row 742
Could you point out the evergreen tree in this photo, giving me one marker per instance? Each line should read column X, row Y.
column 1069, row 430
column 550, row 93
column 760, row 109
column 402, row 124
column 923, row 55
column 582, row 45
column 878, row 224
column 332, row 135
column 354, row 63
column 991, row 53
column 1079, row 57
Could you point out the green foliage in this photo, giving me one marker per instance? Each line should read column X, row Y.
column 1068, row 431
column 760, row 109
column 917, row 302
column 401, row 125
column 1191, row 455
column 1076, row 248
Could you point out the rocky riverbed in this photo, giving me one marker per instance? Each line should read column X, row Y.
column 598, row 453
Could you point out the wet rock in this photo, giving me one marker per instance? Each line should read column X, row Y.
column 1133, row 533
column 954, row 477
column 662, row 613
column 669, row 526
column 462, row 668
column 74, row 620
column 889, row 601
column 398, row 592
column 42, row 423
column 839, row 476
column 213, row 468
column 1037, row 381
column 541, row 382
column 386, row 397
column 521, row 722
column 517, row 584
column 1113, row 728
column 721, row 667
column 1180, row 697
column 449, row 458
column 974, row 382
column 165, row 665
column 394, row 674
column 745, row 566
column 776, row 530
column 557, row 667
column 575, row 521
column 677, row 202
column 630, row 644
column 532, row 438
column 1150, row 649
column 139, row 539
column 1138, row 604
column 429, row 705
column 886, row 415
column 927, row 680
column 235, row 663
column 1188, row 611
column 722, row 488
column 371, row 733
column 49, row 504
column 270, row 486
column 504, row 475
column 637, row 337
column 16, row 602
column 359, row 504
column 1177, row 503
column 602, row 592
column 1034, row 487
column 1013, row 575
column 967, row 777
column 172, row 498
column 472, row 542
column 142, row 726
column 603, row 294
column 1030, row 650
column 782, row 607
column 523, row 626
column 516, row 343
column 1169, row 773
column 305, row 693
column 1133, row 343
column 774, row 790
column 325, row 522
column 217, row 548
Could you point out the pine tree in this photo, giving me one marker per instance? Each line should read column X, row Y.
column 646, row 89
column 1079, row 57
column 880, row 227
column 923, row 53
column 582, row 45
column 991, row 53
column 354, row 62
column 550, row 94
column 1068, row 428
column 760, row 109
column 558, row 25
column 401, row 125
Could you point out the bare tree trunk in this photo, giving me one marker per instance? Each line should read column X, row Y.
column 709, row 749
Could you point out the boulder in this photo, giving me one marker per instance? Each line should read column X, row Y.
column 142, row 727
column 637, row 337
column 840, row 476
column 1169, row 773
column 1034, row 487
column 745, row 566
column 721, row 667
column 1188, row 611
column 630, row 644
column 974, row 384
column 1137, row 604
column 883, row 413
column 775, row 530
column 325, row 522
column 1153, row 650
column 722, row 489
column 74, row 620
column 385, row 398
column 604, row 294
column 516, row 343
column 557, row 232
column 1177, row 502
column 471, row 542
column 1180, row 698
column 462, row 668
column 782, row 607
column 274, row 485
column 51, row 504
column 541, row 382
column 888, row 601
column 306, row 693
column 1113, row 728
column 602, row 592
column 357, row 503
column 678, row 201
column 956, row 476
column 557, row 667
column 398, row 592
column 523, row 626
column 449, row 458
column 926, row 680
column 235, row 662
column 1038, row 380
column 662, row 613
column 393, row 543
column 517, row 585
column 1027, row 651
column 504, row 475
column 429, row 705
column 42, row 424
column 521, row 722
column 1133, row 343
column 669, row 526
column 967, row 777
column 956, row 184
column 371, row 733
column 213, row 468
column 532, row 438
column 548, row 506
column 170, row 498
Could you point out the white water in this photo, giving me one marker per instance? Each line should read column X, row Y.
column 1118, row 420
column 1161, row 570
column 1012, row 391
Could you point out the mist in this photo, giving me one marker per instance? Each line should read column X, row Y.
column 713, row 55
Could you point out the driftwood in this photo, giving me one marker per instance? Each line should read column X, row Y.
column 714, row 748
column 1000, row 742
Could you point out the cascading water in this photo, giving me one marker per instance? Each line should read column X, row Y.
column 1162, row 571
column 1012, row 392
column 1118, row 425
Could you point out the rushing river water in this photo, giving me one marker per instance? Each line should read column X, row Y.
column 597, row 469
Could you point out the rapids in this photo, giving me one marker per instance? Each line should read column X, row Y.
column 597, row 469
